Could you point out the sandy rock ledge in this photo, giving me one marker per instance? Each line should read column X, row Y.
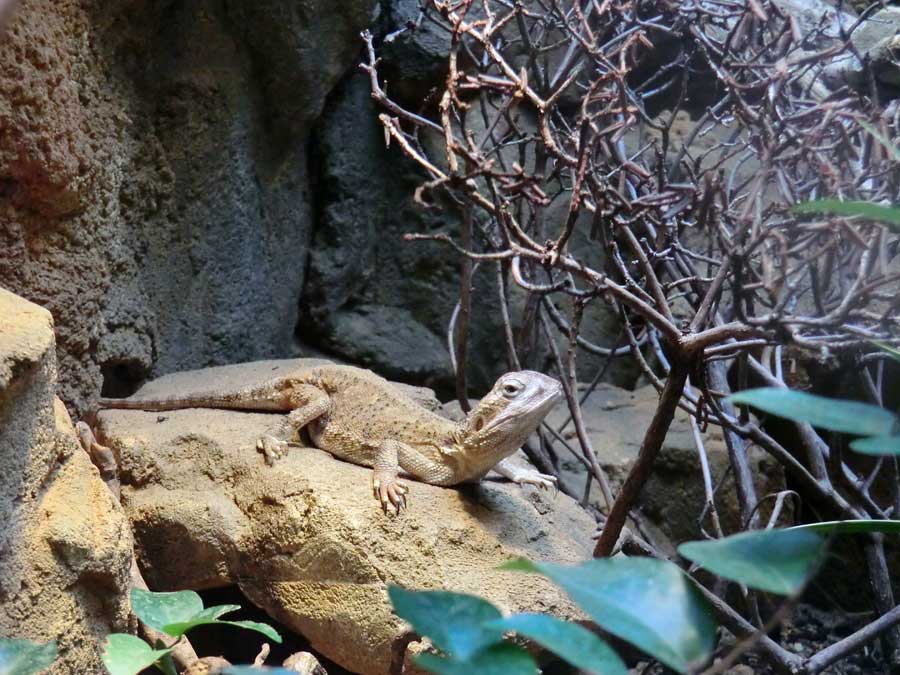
column 305, row 539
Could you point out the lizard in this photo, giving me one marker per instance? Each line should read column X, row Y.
column 358, row 416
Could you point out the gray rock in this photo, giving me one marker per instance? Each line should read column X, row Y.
column 65, row 545
column 877, row 41
column 306, row 541
column 359, row 260
column 390, row 341
column 673, row 498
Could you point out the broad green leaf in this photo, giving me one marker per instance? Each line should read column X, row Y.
column 179, row 629
column 23, row 657
column 882, row 214
column 890, row 146
column 852, row 526
column 176, row 613
column 572, row 642
column 159, row 610
column 649, row 603
column 877, row 445
column 499, row 659
column 893, row 351
column 454, row 622
column 256, row 670
column 128, row 655
column 851, row 417
column 778, row 561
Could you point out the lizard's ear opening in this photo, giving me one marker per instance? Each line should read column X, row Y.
column 479, row 424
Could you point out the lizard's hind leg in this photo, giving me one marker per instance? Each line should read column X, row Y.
column 309, row 403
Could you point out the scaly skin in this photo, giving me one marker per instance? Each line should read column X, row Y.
column 362, row 418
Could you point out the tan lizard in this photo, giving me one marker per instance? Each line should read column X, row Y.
column 360, row 417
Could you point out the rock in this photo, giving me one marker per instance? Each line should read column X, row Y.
column 65, row 545
column 306, row 541
column 364, row 280
column 673, row 499
column 877, row 41
column 153, row 168
column 390, row 341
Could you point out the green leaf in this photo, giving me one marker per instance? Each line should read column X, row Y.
column 852, row 526
column 649, row 603
column 159, row 610
column 877, row 445
column 499, row 659
column 176, row 613
column 778, row 561
column 23, row 657
column 851, row 417
column 454, row 622
column 574, row 643
column 882, row 214
column 129, row 655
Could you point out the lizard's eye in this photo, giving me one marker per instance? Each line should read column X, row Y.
column 510, row 389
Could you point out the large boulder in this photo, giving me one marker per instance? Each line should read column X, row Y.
column 65, row 545
column 305, row 539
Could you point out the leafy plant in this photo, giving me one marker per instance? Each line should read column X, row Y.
column 650, row 603
column 880, row 428
column 22, row 657
column 172, row 614
column 889, row 215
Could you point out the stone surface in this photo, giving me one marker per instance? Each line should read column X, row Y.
column 65, row 545
column 306, row 541
column 673, row 498
column 153, row 173
column 877, row 41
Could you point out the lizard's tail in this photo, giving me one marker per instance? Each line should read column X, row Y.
column 155, row 405
column 202, row 401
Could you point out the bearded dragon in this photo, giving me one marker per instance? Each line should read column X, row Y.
column 358, row 416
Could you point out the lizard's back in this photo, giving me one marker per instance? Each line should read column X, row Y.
column 373, row 409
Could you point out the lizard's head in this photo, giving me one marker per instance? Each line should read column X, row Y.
column 511, row 411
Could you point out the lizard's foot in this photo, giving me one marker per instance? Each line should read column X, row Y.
column 389, row 490
column 271, row 448
column 541, row 480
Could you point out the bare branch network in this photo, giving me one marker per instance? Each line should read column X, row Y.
column 559, row 121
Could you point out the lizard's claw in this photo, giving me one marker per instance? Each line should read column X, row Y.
column 390, row 491
column 541, row 480
column 271, row 448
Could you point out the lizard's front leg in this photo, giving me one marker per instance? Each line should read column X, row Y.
column 517, row 473
column 311, row 403
column 388, row 488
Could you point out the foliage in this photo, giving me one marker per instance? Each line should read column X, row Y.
column 176, row 613
column 776, row 561
column 126, row 654
column 173, row 614
column 649, row 603
column 888, row 215
column 22, row 657
column 881, row 428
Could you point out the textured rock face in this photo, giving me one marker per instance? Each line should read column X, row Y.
column 306, row 540
column 153, row 175
column 65, row 545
